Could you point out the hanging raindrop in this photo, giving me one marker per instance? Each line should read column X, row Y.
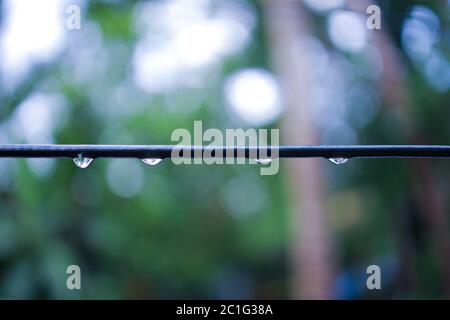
column 263, row 161
column 82, row 162
column 151, row 161
column 338, row 160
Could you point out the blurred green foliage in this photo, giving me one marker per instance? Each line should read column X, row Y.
column 177, row 237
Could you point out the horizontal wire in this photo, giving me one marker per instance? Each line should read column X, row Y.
column 165, row 151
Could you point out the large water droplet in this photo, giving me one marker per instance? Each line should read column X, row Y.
column 263, row 161
column 82, row 162
column 151, row 161
column 338, row 160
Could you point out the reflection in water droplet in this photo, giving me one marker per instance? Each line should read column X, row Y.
column 151, row 161
column 338, row 160
column 82, row 162
column 263, row 161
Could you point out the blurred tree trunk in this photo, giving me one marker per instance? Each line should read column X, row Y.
column 287, row 28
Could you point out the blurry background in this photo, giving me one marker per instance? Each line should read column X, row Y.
column 136, row 71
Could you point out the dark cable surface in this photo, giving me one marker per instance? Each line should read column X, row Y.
column 165, row 151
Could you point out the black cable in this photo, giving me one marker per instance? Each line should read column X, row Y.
column 165, row 151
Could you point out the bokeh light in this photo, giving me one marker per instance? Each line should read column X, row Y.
column 253, row 95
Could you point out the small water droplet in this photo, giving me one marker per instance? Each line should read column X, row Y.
column 263, row 161
column 151, row 161
column 82, row 162
column 338, row 160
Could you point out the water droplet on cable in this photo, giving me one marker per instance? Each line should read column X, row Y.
column 263, row 161
column 82, row 162
column 338, row 160
column 151, row 161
